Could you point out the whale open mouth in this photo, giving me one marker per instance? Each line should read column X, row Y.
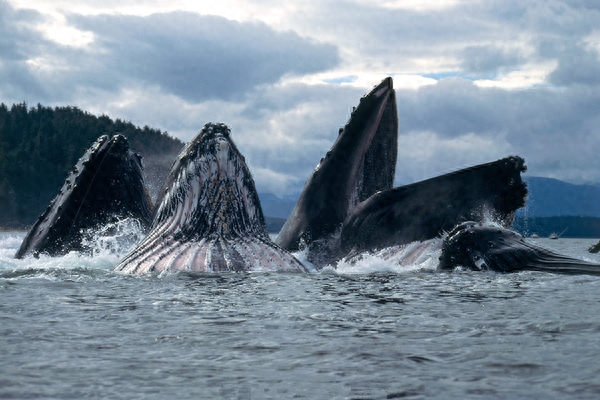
column 361, row 162
column 105, row 185
column 209, row 216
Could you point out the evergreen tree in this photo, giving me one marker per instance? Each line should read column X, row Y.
column 39, row 145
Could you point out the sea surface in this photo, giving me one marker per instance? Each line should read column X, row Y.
column 71, row 328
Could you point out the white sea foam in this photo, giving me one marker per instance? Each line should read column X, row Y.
column 9, row 243
column 110, row 244
column 107, row 245
column 399, row 259
column 114, row 239
column 302, row 256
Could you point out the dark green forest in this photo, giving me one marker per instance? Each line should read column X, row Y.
column 39, row 146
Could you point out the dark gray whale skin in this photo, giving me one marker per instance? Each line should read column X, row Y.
column 594, row 248
column 361, row 162
column 348, row 205
column 106, row 184
column 426, row 209
column 209, row 217
column 487, row 248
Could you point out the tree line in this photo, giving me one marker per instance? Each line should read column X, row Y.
column 39, row 146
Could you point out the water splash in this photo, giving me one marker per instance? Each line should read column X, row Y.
column 416, row 256
column 107, row 245
column 302, row 256
column 9, row 243
column 114, row 239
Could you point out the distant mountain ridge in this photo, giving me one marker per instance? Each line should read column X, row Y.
column 550, row 197
column 277, row 207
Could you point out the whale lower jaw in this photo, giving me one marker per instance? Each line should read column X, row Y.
column 239, row 254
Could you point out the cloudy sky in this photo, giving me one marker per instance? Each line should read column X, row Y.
column 475, row 80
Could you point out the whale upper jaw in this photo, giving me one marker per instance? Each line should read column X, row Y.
column 209, row 217
column 105, row 184
column 361, row 162
column 210, row 191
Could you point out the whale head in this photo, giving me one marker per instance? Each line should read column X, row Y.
column 361, row 162
column 105, row 184
column 209, row 217
column 480, row 247
column 210, row 190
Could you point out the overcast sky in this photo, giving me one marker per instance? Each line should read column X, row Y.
column 475, row 80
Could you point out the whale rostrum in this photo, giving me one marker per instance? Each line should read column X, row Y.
column 360, row 163
column 105, row 185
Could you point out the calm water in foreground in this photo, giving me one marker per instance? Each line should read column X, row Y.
column 72, row 328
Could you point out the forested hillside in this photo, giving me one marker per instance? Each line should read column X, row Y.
column 39, row 146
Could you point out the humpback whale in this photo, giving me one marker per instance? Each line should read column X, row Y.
column 361, row 162
column 348, row 203
column 105, row 185
column 487, row 248
column 209, row 217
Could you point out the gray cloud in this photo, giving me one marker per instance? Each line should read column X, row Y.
column 202, row 57
column 177, row 71
column 386, row 33
column 19, row 42
column 443, row 127
column 576, row 66
column 471, row 37
column 556, row 130
column 487, row 60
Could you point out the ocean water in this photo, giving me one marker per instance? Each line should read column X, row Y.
column 71, row 328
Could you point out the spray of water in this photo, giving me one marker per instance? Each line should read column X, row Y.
column 416, row 256
column 115, row 238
